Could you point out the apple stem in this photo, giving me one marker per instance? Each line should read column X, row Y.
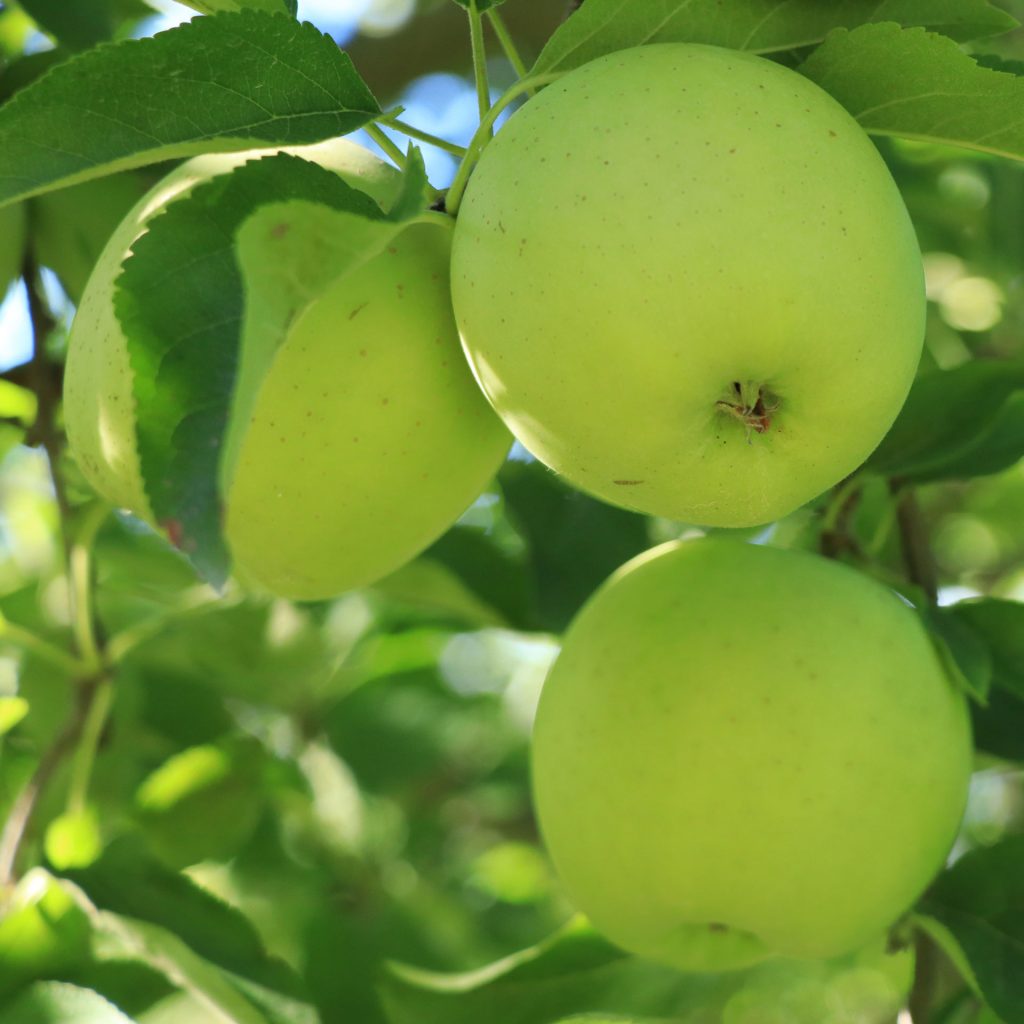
column 476, row 39
column 508, row 45
column 483, row 135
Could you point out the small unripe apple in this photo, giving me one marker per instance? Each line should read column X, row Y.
column 688, row 283
column 368, row 437
column 743, row 751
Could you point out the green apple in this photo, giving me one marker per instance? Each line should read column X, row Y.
column 688, row 283
column 743, row 751
column 368, row 437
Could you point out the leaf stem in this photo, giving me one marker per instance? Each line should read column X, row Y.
column 51, row 653
column 476, row 39
column 382, row 140
column 16, row 827
column 433, row 140
column 95, row 719
column 483, row 135
column 507, row 44
column 80, row 570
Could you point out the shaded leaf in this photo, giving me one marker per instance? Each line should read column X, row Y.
column 165, row 952
column 42, row 933
column 963, row 650
column 980, row 900
column 575, row 542
column 12, row 245
column 55, row 1002
column 220, row 83
column 1001, row 624
column 945, row 418
column 992, row 449
column 127, row 881
column 180, row 302
column 221, row 6
column 999, row 727
column 70, row 226
column 918, row 85
column 760, row 26
column 80, row 24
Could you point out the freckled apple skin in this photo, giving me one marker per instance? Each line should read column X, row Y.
column 309, row 511
column 744, row 751
column 391, row 439
column 660, row 224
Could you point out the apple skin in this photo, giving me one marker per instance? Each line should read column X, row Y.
column 310, row 510
column 667, row 222
column 403, row 440
column 744, row 751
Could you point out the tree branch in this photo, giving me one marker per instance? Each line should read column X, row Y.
column 918, row 561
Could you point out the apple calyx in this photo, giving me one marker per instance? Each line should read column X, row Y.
column 751, row 403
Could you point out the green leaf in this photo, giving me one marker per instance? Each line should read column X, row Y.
column 77, row 25
column 42, row 932
column 70, row 226
column 73, row 840
column 481, row 5
column 221, row 83
column 290, row 253
column 1001, row 625
column 918, row 85
column 760, row 26
column 128, row 881
column 999, row 727
column 947, row 416
column 203, row 803
column 962, row 650
column 122, row 938
column 995, row 447
column 980, row 900
column 180, row 302
column 12, row 711
column 56, row 1002
column 12, row 245
column 499, row 578
column 220, row 6
column 575, row 542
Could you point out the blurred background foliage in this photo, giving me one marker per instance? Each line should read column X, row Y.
column 349, row 779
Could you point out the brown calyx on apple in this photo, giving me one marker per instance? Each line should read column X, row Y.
column 750, row 402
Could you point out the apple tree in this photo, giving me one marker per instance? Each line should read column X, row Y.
column 511, row 512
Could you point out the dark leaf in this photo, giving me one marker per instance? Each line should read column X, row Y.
column 180, row 301
column 1001, row 625
column 947, row 416
column 575, row 542
column 126, row 880
column 760, row 26
column 964, row 651
column 980, row 900
column 228, row 82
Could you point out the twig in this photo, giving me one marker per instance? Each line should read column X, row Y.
column 917, row 555
column 926, row 965
column 44, row 431
column 835, row 539
column 16, row 826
